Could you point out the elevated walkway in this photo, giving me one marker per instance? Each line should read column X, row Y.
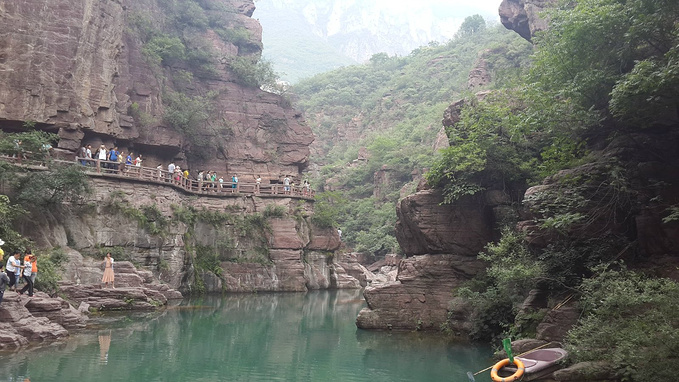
column 108, row 169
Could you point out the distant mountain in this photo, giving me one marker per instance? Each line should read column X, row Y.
column 307, row 37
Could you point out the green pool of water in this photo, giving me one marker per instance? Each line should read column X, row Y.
column 253, row 337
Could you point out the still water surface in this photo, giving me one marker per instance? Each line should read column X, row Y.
column 257, row 337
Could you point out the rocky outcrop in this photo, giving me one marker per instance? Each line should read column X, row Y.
column 441, row 243
column 479, row 76
column 425, row 226
column 36, row 319
column 587, row 371
column 419, row 298
column 525, row 17
column 79, row 69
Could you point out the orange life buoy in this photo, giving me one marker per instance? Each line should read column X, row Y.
column 519, row 370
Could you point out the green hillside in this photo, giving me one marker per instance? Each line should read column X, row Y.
column 395, row 105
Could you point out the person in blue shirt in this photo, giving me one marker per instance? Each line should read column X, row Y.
column 113, row 157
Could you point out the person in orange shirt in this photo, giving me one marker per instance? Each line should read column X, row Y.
column 32, row 259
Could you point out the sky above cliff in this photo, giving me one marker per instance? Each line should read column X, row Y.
column 306, row 37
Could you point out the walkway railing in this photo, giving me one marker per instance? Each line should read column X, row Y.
column 160, row 176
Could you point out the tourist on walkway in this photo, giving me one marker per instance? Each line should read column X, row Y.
column 258, row 182
column 113, row 157
column 128, row 160
column 102, row 152
column 120, row 162
column 27, row 268
column 170, row 170
column 137, row 161
column 108, row 271
column 83, row 154
column 11, row 270
column 286, row 184
column 307, row 187
column 234, row 180
column 4, row 281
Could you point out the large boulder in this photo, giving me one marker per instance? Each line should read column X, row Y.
column 419, row 297
column 525, row 17
column 426, row 226
column 19, row 327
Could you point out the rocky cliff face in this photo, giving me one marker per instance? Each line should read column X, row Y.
column 525, row 17
column 441, row 243
column 80, row 69
column 213, row 244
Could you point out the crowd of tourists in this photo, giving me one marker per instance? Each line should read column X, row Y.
column 23, row 269
column 113, row 160
column 18, row 270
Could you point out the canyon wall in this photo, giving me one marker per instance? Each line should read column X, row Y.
column 82, row 69
column 627, row 189
column 239, row 243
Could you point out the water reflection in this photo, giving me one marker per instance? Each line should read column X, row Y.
column 263, row 337
column 104, row 345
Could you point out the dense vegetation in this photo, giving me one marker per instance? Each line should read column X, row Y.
column 35, row 192
column 394, row 107
column 605, row 70
column 177, row 50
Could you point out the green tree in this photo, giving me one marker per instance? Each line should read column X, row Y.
column 471, row 25
column 630, row 321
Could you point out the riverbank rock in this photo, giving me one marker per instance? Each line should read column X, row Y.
column 137, row 289
column 419, row 297
column 126, row 298
column 587, row 371
column 20, row 327
column 57, row 310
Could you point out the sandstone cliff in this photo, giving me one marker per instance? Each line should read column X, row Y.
column 239, row 243
column 85, row 70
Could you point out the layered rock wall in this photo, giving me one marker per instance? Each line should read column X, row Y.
column 253, row 248
column 441, row 243
column 78, row 68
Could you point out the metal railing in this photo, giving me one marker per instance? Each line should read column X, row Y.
column 177, row 180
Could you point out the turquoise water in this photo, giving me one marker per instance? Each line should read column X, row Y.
column 253, row 337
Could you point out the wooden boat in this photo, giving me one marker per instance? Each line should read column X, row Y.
column 539, row 363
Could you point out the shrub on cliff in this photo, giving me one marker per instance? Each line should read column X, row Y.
column 621, row 55
column 67, row 183
column 495, row 296
column 253, row 72
column 50, row 267
column 630, row 321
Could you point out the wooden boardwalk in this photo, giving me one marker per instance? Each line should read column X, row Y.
column 226, row 188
